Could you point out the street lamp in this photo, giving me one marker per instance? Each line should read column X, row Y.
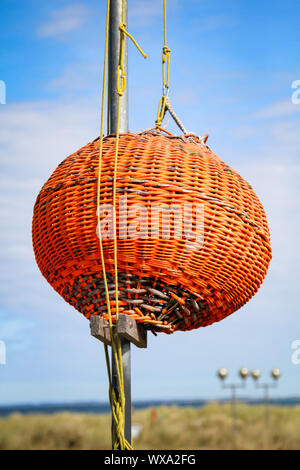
column 275, row 374
column 243, row 373
column 222, row 373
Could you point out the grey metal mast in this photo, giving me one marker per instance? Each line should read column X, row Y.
column 115, row 18
column 127, row 328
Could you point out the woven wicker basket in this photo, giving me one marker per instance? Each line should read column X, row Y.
column 163, row 281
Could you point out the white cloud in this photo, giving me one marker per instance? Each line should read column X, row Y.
column 35, row 138
column 272, row 167
column 75, row 77
column 64, row 21
column 275, row 180
column 278, row 110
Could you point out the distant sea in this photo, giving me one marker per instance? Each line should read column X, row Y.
column 98, row 407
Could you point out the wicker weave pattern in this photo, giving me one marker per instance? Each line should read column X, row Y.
column 153, row 168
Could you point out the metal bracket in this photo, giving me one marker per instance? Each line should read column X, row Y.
column 99, row 329
column 128, row 328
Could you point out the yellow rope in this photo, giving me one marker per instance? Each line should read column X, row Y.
column 166, row 52
column 123, row 30
column 117, row 403
column 116, row 408
column 165, row 73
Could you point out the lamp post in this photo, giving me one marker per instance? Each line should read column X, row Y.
column 275, row 374
column 243, row 373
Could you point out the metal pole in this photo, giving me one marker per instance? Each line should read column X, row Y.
column 126, row 357
column 267, row 406
column 114, row 51
column 115, row 18
column 234, row 414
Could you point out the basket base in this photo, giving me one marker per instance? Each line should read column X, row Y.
column 158, row 306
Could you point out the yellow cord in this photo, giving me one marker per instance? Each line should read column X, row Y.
column 165, row 52
column 165, row 73
column 117, row 403
column 123, row 30
column 116, row 408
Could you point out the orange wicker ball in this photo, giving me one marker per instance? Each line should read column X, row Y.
column 192, row 236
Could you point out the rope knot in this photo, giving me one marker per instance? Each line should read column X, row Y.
column 122, row 27
column 165, row 54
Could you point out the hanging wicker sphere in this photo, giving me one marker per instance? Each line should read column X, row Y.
column 174, row 278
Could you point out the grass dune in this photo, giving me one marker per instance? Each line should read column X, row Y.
column 164, row 428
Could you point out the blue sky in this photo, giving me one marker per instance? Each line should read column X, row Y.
column 232, row 68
